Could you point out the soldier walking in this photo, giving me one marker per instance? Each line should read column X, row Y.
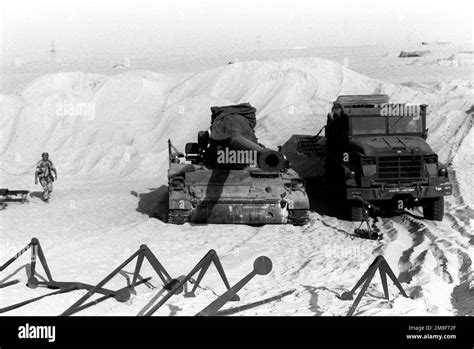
column 44, row 172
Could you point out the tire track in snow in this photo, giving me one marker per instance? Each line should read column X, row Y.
column 306, row 250
column 409, row 269
column 456, row 225
column 460, row 135
column 459, row 213
column 465, row 270
column 236, row 247
column 442, row 264
column 462, row 211
column 462, row 295
column 327, row 225
column 414, row 226
column 389, row 233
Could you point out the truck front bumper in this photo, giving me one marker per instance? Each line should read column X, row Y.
column 388, row 193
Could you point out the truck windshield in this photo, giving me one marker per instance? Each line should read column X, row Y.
column 405, row 124
column 368, row 125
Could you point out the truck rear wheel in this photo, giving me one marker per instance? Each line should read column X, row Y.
column 433, row 209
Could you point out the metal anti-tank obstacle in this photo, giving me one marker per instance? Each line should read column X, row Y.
column 202, row 266
column 62, row 287
column 384, row 269
column 262, row 266
column 123, row 294
column 174, row 286
column 36, row 251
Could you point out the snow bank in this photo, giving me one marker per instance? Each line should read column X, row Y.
column 96, row 125
column 116, row 127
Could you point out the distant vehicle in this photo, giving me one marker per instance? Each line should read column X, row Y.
column 376, row 153
column 228, row 177
column 407, row 54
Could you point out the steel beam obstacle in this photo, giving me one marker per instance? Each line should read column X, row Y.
column 121, row 295
column 9, row 283
column 262, row 266
column 202, row 266
column 384, row 269
column 36, row 251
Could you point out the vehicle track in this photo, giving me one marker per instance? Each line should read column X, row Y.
column 390, row 233
column 408, row 266
column 462, row 295
column 459, row 216
column 442, row 246
column 460, row 135
column 461, row 210
column 421, row 231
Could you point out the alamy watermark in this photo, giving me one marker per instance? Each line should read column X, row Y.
column 37, row 332
column 336, row 251
column 76, row 109
column 231, row 156
column 399, row 109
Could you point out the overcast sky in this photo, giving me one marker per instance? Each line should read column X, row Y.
column 188, row 26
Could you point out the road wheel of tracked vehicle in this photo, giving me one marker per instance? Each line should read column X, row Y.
column 178, row 216
column 298, row 217
column 356, row 213
column 433, row 209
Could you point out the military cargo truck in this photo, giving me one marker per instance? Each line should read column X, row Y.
column 376, row 153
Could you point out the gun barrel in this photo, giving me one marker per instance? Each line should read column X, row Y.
column 267, row 159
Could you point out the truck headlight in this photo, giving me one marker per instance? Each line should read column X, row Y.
column 350, row 174
column 369, row 170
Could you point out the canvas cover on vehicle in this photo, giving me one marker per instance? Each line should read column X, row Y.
column 233, row 120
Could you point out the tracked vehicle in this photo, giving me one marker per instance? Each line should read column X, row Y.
column 375, row 153
column 228, row 177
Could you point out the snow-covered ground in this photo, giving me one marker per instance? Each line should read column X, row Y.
column 107, row 135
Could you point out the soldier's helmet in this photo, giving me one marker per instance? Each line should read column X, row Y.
column 336, row 108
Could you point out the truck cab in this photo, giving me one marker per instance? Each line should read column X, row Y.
column 377, row 153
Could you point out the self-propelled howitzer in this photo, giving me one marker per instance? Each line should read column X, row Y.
column 228, row 177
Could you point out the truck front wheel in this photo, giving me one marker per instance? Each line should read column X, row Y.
column 433, row 209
